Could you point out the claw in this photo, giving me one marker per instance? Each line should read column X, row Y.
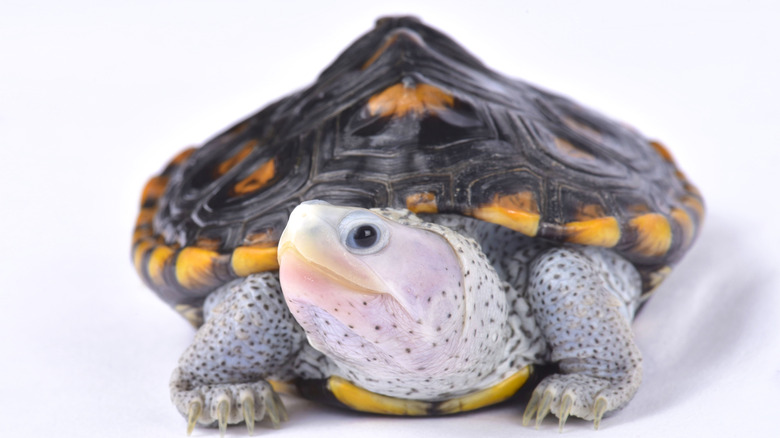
column 195, row 408
column 530, row 408
column 272, row 410
column 222, row 413
column 282, row 409
column 544, row 409
column 566, row 405
column 599, row 408
column 248, row 402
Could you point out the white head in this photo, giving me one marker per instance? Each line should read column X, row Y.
column 385, row 295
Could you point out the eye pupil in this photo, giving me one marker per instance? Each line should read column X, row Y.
column 365, row 236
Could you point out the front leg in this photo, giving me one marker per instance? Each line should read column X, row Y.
column 249, row 336
column 583, row 300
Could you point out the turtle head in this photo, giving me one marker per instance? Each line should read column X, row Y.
column 379, row 286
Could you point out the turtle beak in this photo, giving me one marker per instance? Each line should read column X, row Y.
column 312, row 239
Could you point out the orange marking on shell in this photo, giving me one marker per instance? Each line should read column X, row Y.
column 583, row 129
column 692, row 189
column 264, row 239
column 156, row 264
column 683, row 219
column 422, row 203
column 602, row 231
column 590, row 211
column 256, row 180
column 145, row 216
column 655, row 279
column 380, row 51
column 231, row 162
column 570, row 150
column 662, row 151
column 654, row 234
column 209, row 243
column 182, row 156
column 248, row 260
column 694, row 204
column 519, row 212
column 638, row 209
column 139, row 252
column 195, row 268
column 399, row 100
column 238, row 129
column 154, row 188
column 142, row 233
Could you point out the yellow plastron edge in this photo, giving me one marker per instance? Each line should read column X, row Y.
column 366, row 401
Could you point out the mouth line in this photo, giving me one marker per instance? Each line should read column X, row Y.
column 328, row 273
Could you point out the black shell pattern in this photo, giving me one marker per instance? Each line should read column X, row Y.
column 405, row 117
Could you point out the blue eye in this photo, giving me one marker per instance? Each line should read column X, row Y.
column 363, row 236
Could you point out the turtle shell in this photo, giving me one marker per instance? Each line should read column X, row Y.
column 406, row 118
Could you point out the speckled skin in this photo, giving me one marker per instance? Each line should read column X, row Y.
column 450, row 327
column 564, row 304
column 248, row 336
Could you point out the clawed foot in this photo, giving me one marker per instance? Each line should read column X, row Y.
column 224, row 404
column 582, row 396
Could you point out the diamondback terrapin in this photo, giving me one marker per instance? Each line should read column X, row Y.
column 413, row 234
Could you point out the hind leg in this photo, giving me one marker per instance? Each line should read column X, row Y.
column 248, row 336
column 583, row 299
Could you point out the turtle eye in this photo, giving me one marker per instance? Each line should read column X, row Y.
column 363, row 236
column 363, row 232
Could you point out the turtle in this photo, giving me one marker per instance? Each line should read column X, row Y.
column 413, row 234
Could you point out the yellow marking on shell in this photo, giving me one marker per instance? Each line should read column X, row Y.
column 156, row 264
column 248, row 260
column 654, row 234
column 195, row 267
column 139, row 252
column 603, row 231
column 154, row 188
column 568, row 149
column 366, row 401
column 399, row 100
column 256, row 180
column 490, row 396
column 519, row 212
column 422, row 203
column 231, row 162
column 662, row 151
column 191, row 313
column 683, row 219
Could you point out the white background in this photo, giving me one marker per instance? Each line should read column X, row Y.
column 96, row 96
